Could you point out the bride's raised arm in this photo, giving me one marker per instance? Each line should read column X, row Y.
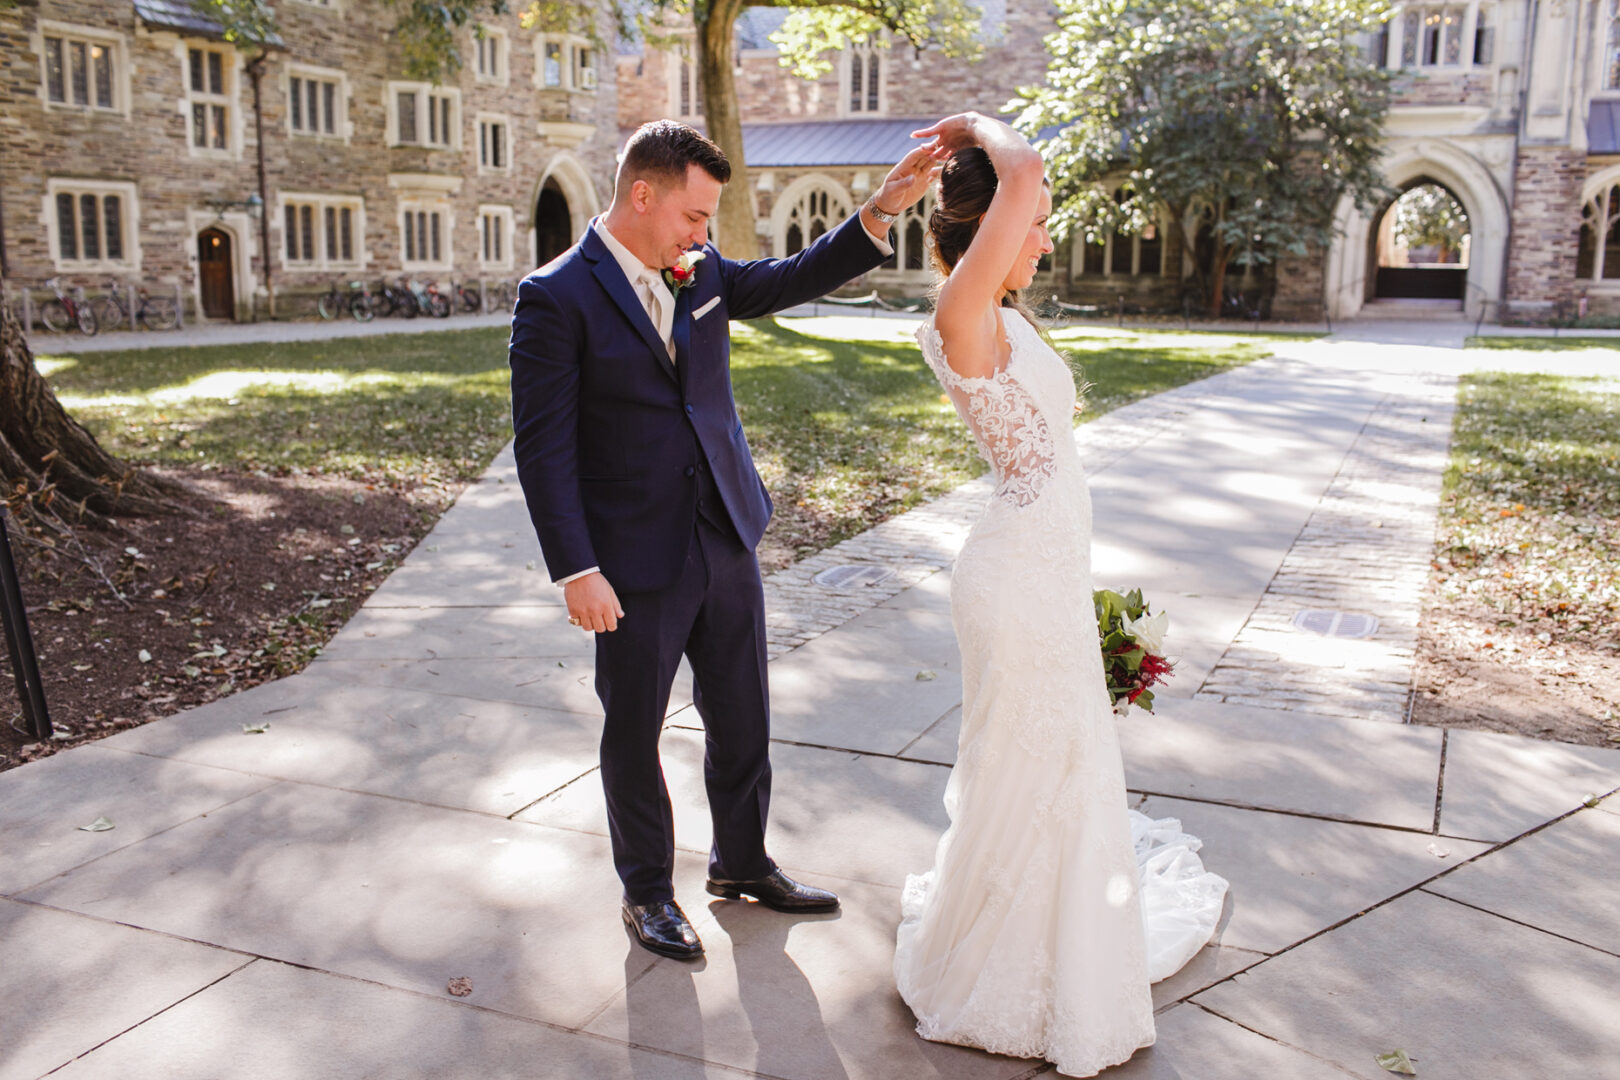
column 966, row 313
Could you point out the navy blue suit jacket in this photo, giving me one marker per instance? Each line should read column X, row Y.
column 609, row 433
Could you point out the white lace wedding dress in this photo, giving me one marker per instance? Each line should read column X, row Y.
column 1051, row 907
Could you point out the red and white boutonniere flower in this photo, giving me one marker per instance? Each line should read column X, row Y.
column 684, row 272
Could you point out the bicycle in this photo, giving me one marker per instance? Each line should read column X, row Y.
column 400, row 300
column 430, row 299
column 357, row 302
column 469, row 296
column 152, row 312
column 66, row 311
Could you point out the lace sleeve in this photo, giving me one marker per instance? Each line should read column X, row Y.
column 1010, row 430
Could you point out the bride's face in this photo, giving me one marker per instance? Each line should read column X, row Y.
column 1037, row 242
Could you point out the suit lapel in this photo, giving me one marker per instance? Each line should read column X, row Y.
column 608, row 272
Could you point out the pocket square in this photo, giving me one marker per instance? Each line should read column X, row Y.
column 705, row 309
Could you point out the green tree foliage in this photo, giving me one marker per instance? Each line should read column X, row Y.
column 1427, row 216
column 1249, row 118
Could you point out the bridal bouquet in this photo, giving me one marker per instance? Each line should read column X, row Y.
column 1132, row 639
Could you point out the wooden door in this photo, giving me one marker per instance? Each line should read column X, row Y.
column 215, row 265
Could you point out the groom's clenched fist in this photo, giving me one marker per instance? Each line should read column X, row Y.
column 592, row 604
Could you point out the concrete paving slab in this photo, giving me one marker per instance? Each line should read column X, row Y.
column 275, row 1022
column 69, row 983
column 381, row 889
column 1198, row 617
column 921, row 638
column 544, row 682
column 1194, row 661
column 1208, row 966
column 803, row 998
column 1561, row 879
column 1193, row 1044
column 432, row 583
column 871, row 704
column 460, row 632
column 832, row 812
column 1464, row 993
column 1498, row 786
column 938, row 743
column 932, row 593
column 1349, row 769
column 1295, row 876
column 43, row 803
column 492, row 757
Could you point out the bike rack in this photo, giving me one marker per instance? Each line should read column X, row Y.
column 19, row 642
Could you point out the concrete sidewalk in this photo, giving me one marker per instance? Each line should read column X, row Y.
column 424, row 805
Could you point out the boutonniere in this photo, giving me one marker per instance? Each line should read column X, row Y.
column 684, row 272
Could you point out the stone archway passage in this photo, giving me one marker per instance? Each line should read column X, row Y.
column 215, row 270
column 553, row 224
column 1420, row 247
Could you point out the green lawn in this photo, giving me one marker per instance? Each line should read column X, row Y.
column 847, row 424
column 1543, row 344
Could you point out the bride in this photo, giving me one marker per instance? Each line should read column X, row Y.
column 1050, row 907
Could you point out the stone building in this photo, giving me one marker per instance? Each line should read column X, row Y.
column 130, row 150
column 1511, row 106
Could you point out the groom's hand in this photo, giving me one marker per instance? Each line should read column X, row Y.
column 593, row 602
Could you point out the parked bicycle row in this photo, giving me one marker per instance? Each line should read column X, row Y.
column 408, row 298
column 118, row 307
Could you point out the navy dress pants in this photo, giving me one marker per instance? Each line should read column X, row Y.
column 714, row 615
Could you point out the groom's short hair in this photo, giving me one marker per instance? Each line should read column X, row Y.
column 661, row 151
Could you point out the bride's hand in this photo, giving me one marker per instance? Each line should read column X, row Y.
column 955, row 132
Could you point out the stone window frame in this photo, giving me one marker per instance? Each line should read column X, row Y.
column 117, row 46
column 1077, row 253
column 1476, row 36
column 865, row 54
column 503, row 219
column 229, row 97
column 129, row 214
column 910, row 232
column 342, row 129
column 1599, row 199
column 685, row 82
column 506, row 146
column 499, row 44
column 797, row 205
column 571, row 75
column 1608, row 37
column 322, row 235
column 422, row 123
column 417, row 213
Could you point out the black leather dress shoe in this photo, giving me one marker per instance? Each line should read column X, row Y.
column 776, row 890
column 663, row 929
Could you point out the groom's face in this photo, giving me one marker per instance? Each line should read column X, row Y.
column 678, row 215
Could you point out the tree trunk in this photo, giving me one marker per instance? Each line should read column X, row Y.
column 716, row 29
column 48, row 459
column 256, row 71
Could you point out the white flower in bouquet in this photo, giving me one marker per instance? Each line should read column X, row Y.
column 1149, row 631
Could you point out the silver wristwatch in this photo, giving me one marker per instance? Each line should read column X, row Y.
column 882, row 215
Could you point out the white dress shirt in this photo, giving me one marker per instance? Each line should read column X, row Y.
column 659, row 303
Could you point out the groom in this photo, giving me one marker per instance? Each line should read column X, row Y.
column 646, row 500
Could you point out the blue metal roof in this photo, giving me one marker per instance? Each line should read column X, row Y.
column 1602, row 128
column 830, row 142
column 181, row 15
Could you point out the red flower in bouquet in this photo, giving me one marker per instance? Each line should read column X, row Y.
column 1132, row 639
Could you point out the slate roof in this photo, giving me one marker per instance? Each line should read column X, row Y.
column 829, row 142
column 180, row 15
column 1602, row 128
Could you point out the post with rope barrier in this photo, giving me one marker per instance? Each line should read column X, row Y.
column 19, row 642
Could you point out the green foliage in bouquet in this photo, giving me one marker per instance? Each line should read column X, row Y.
column 1131, row 638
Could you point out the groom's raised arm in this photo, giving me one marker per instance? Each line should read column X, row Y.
column 765, row 286
column 544, row 354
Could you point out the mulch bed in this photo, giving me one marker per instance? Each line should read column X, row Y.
column 245, row 592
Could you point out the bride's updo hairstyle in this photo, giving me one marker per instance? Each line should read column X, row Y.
column 967, row 184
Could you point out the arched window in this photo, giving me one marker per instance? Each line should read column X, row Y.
column 1440, row 35
column 816, row 209
column 865, row 79
column 910, row 237
column 1611, row 50
column 1599, row 260
column 1123, row 254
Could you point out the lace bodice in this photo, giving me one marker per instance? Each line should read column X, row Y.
column 1012, row 413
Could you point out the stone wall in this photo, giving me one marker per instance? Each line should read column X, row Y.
column 1546, row 219
column 1475, row 88
column 145, row 142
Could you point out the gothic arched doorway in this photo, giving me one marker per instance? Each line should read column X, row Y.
column 1422, row 244
column 553, row 225
column 215, row 275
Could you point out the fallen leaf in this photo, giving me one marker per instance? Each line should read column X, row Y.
column 191, row 672
column 925, row 676
column 1592, row 801
column 101, row 824
column 144, row 657
column 346, row 529
column 1439, row 852
column 460, row 987
column 1396, row 1061
column 255, row 729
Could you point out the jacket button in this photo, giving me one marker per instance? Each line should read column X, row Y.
column 690, row 471
column 688, row 406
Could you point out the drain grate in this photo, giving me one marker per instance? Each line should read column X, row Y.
column 850, row 576
column 1339, row 624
